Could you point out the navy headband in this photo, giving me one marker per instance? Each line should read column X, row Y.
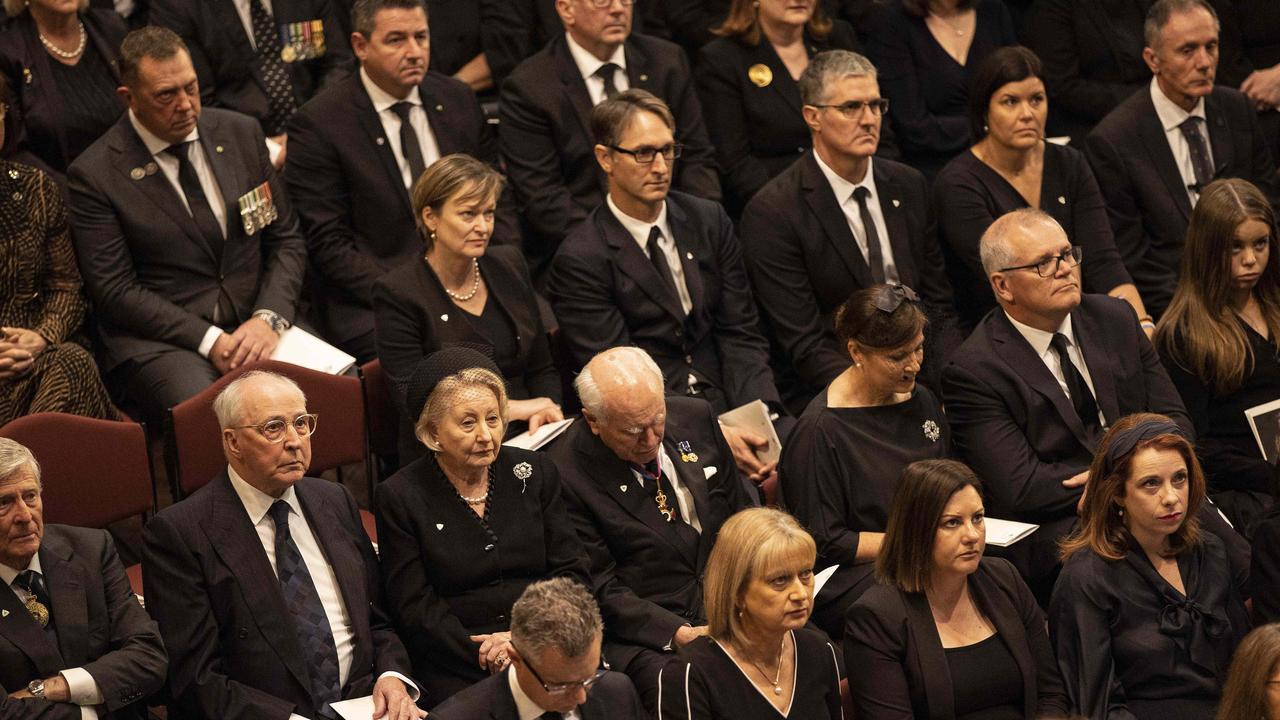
column 1123, row 442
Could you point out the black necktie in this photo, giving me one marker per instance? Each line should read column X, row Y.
column 606, row 73
column 1081, row 399
column 410, row 148
column 309, row 619
column 280, row 101
column 659, row 260
column 38, row 596
column 875, row 258
column 551, row 716
column 197, row 203
column 1199, row 152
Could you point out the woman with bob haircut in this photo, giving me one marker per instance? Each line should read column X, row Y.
column 465, row 292
column 947, row 633
column 1220, row 340
column 1253, row 685
column 758, row 661
column 1146, row 613
column 844, row 457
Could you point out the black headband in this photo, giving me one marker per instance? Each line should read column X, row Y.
column 1123, row 442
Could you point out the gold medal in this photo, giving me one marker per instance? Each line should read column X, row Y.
column 38, row 611
column 137, row 173
column 760, row 75
column 288, row 54
column 692, row 457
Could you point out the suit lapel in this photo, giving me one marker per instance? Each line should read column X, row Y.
column 685, row 233
column 525, row 331
column 446, row 133
column 895, row 221
column 787, row 89
column 225, row 171
column 575, row 88
column 19, row 628
column 691, row 476
column 367, row 118
column 1098, row 360
column 239, row 45
column 632, row 262
column 504, row 704
column 822, row 202
column 1018, row 354
column 1008, row 626
column 67, row 596
column 638, row 69
column 237, row 543
column 933, row 659
column 1220, row 143
column 1157, row 144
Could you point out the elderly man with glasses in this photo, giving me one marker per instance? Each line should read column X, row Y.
column 1030, row 393
column 265, row 586
column 556, row 669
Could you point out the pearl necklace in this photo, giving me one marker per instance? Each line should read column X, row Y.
column 84, row 39
column 777, row 687
column 475, row 284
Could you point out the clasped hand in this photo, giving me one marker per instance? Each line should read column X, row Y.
column 18, row 351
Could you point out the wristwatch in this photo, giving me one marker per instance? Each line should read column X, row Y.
column 36, row 688
column 277, row 323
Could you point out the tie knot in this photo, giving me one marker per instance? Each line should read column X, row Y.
column 27, row 580
column 401, row 109
column 279, row 512
column 861, row 193
column 655, row 234
column 1060, row 342
column 180, row 150
column 1191, row 124
column 606, row 71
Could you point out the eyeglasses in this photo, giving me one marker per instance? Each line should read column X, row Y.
column 1048, row 267
column 274, row 429
column 889, row 297
column 563, row 688
column 852, row 110
column 644, row 156
column 606, row 3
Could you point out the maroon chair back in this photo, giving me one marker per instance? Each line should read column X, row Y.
column 193, row 441
column 95, row 472
column 381, row 413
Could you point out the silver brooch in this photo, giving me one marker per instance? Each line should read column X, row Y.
column 523, row 471
column 931, row 430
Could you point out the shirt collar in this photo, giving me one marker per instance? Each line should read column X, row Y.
column 639, row 229
column 588, row 64
column 155, row 144
column 843, row 188
column 383, row 100
column 8, row 574
column 1171, row 116
column 1039, row 339
column 526, row 708
column 257, row 503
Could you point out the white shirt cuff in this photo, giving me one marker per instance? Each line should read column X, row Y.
column 88, row 712
column 409, row 685
column 81, row 686
column 294, row 716
column 210, row 337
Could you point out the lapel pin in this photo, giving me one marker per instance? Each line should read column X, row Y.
column 644, row 78
column 623, row 488
column 897, row 203
column 137, row 173
column 439, row 526
column 26, row 75
column 151, row 168
column 760, row 75
column 380, row 141
column 4, row 613
column 688, row 256
column 218, row 149
column 1062, row 200
column 444, row 317
column 439, row 108
column 686, row 452
column 13, row 173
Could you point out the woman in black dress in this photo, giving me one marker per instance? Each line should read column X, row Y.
column 465, row 292
column 758, row 661
column 747, row 82
column 465, row 529
column 1220, row 341
column 842, row 461
column 59, row 58
column 1012, row 167
column 1146, row 613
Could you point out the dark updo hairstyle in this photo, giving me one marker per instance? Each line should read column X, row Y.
column 859, row 320
column 1006, row 65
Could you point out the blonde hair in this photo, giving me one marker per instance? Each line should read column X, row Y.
column 446, row 393
column 750, row 545
column 1256, row 660
column 451, row 175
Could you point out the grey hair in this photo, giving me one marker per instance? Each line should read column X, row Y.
column 994, row 250
column 827, row 67
column 445, row 394
column 13, row 457
column 229, row 403
column 629, row 365
column 364, row 13
column 1159, row 14
column 557, row 613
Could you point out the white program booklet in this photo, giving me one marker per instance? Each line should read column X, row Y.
column 1264, row 420
column 754, row 417
column 300, row 347
column 545, row 434
column 355, row 708
column 1003, row 533
column 820, row 579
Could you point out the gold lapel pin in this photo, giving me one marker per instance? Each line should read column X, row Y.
column 760, row 75
column 218, row 149
column 644, row 78
column 137, row 173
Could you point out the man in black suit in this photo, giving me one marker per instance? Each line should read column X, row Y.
column 348, row 171
column 263, row 581
column 556, row 635
column 648, row 480
column 74, row 642
column 837, row 221
column 1031, row 391
column 662, row 270
column 263, row 58
column 187, row 242
column 1155, row 151
column 546, row 117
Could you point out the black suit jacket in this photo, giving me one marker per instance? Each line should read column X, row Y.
column 613, row 697
column 648, row 580
column 233, row 651
column 350, row 195
column 1146, row 197
column 546, row 139
column 100, row 627
column 892, row 639
column 36, row 99
column 606, row 293
column 225, row 58
column 804, row 263
column 153, row 278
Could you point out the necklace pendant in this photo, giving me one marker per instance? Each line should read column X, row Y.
column 777, row 689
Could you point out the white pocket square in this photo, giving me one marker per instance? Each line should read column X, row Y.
column 708, row 471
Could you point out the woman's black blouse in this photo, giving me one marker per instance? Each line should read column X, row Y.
column 495, row 326
column 986, row 681
column 90, row 105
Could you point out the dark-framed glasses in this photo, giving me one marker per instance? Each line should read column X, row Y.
column 275, row 429
column 853, row 109
column 564, row 688
column 646, row 155
column 888, row 298
column 1048, row 267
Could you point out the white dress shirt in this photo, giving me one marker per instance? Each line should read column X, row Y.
column 639, row 230
column 382, row 102
column 168, row 165
column 242, row 9
column 843, row 190
column 81, row 686
column 684, row 498
column 526, row 708
column 588, row 64
column 1040, row 343
column 1171, row 117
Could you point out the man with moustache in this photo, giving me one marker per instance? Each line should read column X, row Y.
column 836, row 221
column 1154, row 152
column 264, row 583
column 187, row 242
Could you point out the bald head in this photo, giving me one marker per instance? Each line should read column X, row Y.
column 1010, row 250
column 622, row 399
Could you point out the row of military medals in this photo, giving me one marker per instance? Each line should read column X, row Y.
column 686, row 455
column 301, row 40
